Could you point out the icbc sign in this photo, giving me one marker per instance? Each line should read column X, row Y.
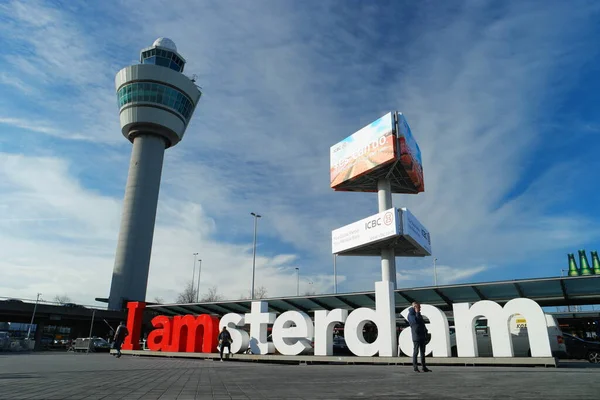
column 388, row 218
column 372, row 223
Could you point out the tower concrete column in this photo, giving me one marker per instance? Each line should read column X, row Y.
column 134, row 247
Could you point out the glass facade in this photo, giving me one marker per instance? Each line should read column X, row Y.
column 156, row 93
column 163, row 58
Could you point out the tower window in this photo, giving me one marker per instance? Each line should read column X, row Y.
column 156, row 93
column 163, row 62
column 150, row 60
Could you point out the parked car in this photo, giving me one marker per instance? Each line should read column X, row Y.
column 83, row 344
column 62, row 343
column 100, row 344
column 4, row 341
column 339, row 345
column 46, row 341
column 582, row 349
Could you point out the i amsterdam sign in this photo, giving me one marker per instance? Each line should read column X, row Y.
column 293, row 331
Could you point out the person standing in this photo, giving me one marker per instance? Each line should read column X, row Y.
column 225, row 341
column 120, row 335
column 419, row 335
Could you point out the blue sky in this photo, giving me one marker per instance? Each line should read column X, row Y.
column 500, row 96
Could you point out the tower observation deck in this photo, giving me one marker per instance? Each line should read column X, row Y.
column 156, row 102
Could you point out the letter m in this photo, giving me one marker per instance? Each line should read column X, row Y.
column 195, row 334
column 498, row 322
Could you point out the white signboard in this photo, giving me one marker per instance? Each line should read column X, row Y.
column 414, row 231
column 368, row 230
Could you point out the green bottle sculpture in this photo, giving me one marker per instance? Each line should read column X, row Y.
column 583, row 263
column 573, row 270
column 595, row 263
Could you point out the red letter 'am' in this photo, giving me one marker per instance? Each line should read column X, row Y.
column 160, row 338
column 194, row 334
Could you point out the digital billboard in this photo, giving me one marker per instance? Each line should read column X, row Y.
column 368, row 230
column 410, row 154
column 366, row 150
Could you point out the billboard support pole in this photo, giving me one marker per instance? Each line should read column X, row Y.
column 388, row 256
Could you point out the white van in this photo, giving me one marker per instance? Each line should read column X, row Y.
column 520, row 338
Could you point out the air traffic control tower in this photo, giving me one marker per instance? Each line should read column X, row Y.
column 156, row 103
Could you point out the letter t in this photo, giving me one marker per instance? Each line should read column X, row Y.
column 259, row 318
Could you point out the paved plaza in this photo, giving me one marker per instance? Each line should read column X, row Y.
column 101, row 376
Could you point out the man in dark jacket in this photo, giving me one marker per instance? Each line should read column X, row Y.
column 225, row 341
column 120, row 335
column 419, row 335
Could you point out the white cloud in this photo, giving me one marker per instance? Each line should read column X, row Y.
column 44, row 127
column 17, row 83
column 445, row 275
column 76, row 257
column 282, row 82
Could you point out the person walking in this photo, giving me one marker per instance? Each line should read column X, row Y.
column 419, row 335
column 225, row 341
column 120, row 335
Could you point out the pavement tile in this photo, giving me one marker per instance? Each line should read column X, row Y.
column 101, row 377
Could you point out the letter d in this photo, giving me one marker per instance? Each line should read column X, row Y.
column 383, row 316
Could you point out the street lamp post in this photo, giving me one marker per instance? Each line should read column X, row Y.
column 199, row 271
column 33, row 316
column 256, row 217
column 194, row 272
column 562, row 271
column 434, row 272
column 335, row 273
column 297, row 281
